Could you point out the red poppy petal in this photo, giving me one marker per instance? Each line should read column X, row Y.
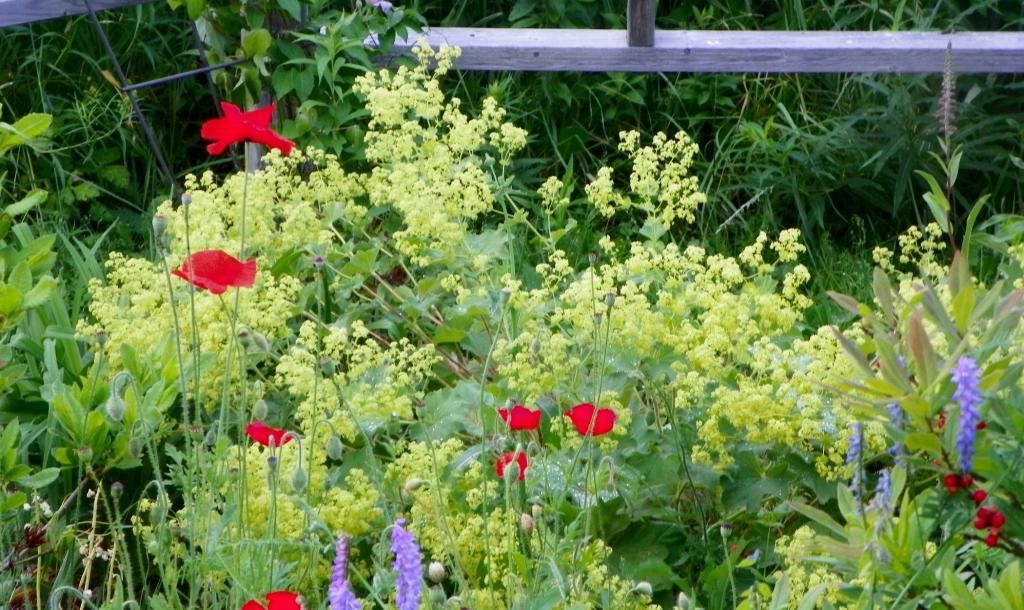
column 521, row 460
column 283, row 600
column 199, row 281
column 216, row 270
column 267, row 436
column 260, row 117
column 230, row 110
column 272, row 139
column 582, row 414
column 252, row 605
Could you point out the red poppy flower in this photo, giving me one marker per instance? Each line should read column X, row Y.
column 216, row 270
column 267, row 436
column 583, row 418
column 519, row 457
column 277, row 600
column 520, row 418
column 237, row 126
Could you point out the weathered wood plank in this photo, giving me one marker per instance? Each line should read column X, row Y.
column 541, row 50
column 640, row 23
column 16, row 12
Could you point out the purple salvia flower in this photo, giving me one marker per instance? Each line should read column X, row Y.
column 853, row 457
column 897, row 419
column 339, row 595
column 407, row 567
column 967, row 379
column 883, row 491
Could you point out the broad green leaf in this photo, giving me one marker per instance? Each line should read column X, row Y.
column 257, row 42
column 40, row 479
column 923, row 440
column 40, row 293
column 30, row 201
column 195, row 8
column 10, row 299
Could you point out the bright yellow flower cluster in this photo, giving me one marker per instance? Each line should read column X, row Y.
column 804, row 575
column 660, row 182
column 429, row 154
column 350, row 378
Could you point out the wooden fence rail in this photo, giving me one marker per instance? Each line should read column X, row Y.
column 17, row 12
column 540, row 50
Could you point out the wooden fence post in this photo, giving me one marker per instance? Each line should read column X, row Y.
column 640, row 23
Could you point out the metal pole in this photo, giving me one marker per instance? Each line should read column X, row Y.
column 640, row 23
column 146, row 127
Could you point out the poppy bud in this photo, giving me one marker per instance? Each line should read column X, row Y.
column 114, row 407
column 272, row 463
column 535, row 346
column 85, row 453
column 436, row 597
column 186, row 198
column 537, row 510
column 116, row 489
column 299, row 479
column 526, row 523
column 210, row 439
column 682, row 602
column 412, row 485
column 136, row 447
column 609, row 300
column 259, row 410
column 260, row 342
column 101, row 337
column 334, row 447
column 436, row 572
column 643, row 587
column 725, row 529
column 592, row 257
column 159, row 227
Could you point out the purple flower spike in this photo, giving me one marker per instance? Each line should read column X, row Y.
column 967, row 379
column 853, row 457
column 897, row 419
column 339, row 595
column 407, row 566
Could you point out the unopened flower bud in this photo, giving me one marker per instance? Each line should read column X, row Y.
column 682, row 602
column 725, row 529
column 526, row 523
column 643, row 587
column 259, row 410
column 412, row 485
column 101, row 337
column 334, row 447
column 272, row 463
column 114, row 407
column 159, row 227
column 436, row 597
column 436, row 572
column 535, row 346
column 186, row 198
column 260, row 342
column 592, row 257
column 318, row 262
column 327, row 366
column 609, row 300
column 537, row 510
column 116, row 489
column 299, row 479
column 210, row 439
column 85, row 453
column 135, row 447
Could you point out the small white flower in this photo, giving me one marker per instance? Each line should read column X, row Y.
column 323, row 30
column 27, row 507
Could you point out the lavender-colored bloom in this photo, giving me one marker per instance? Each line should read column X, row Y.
column 853, row 457
column 967, row 379
column 407, row 566
column 339, row 595
column 883, row 491
column 856, row 442
column 897, row 419
column 383, row 5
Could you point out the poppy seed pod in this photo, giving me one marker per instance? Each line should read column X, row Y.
column 159, row 227
column 412, row 485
